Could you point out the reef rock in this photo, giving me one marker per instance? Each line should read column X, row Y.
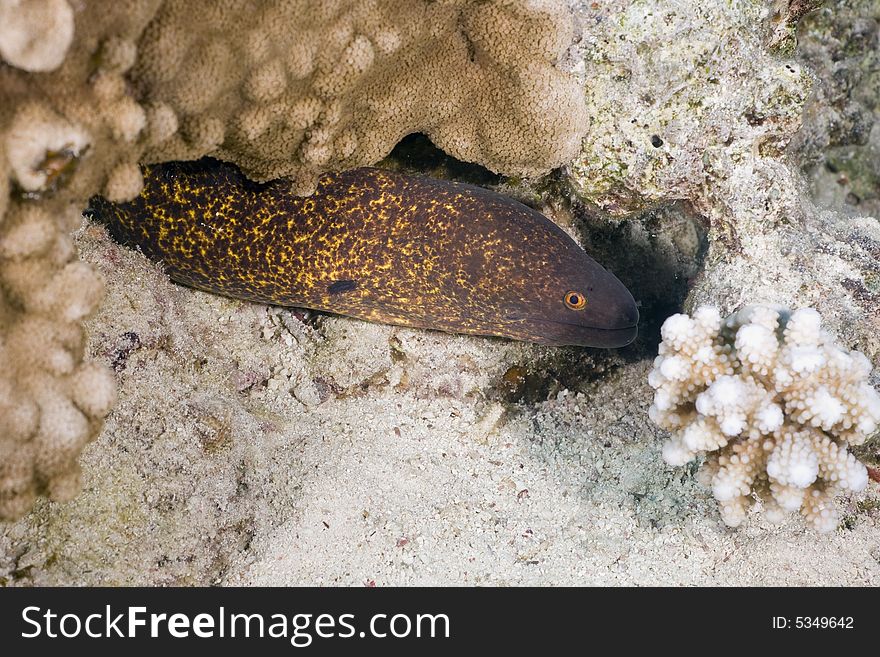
column 710, row 112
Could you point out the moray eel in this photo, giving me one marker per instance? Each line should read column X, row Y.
column 376, row 245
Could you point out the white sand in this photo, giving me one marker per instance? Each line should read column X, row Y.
column 370, row 454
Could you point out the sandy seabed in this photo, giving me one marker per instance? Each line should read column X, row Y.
column 251, row 447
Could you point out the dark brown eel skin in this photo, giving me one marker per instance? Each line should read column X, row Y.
column 376, row 245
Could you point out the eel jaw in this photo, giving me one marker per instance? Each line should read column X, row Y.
column 556, row 333
column 588, row 336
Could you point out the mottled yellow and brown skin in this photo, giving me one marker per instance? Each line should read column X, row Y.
column 377, row 245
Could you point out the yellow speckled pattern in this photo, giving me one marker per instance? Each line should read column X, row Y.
column 377, row 245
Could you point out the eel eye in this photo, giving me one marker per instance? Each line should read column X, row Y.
column 575, row 300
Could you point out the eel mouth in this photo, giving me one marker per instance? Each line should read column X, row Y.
column 617, row 337
column 558, row 333
column 591, row 336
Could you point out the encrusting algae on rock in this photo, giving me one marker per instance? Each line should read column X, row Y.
column 772, row 401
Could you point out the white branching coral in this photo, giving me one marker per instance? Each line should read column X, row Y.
column 772, row 401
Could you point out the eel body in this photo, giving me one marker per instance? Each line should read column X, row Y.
column 376, row 245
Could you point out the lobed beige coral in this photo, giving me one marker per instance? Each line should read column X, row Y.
column 299, row 87
column 296, row 87
column 64, row 132
column 51, row 403
column 35, row 34
column 772, row 401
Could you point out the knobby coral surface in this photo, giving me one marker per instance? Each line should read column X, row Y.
column 59, row 143
column 773, row 401
column 35, row 34
column 299, row 87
